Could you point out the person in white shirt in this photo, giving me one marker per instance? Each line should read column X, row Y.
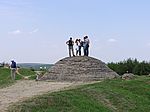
column 13, row 68
column 78, row 47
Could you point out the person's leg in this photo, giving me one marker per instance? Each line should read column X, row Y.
column 87, row 51
column 84, row 48
column 79, row 50
column 69, row 51
column 73, row 51
column 12, row 74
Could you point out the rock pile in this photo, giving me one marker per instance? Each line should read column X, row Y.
column 128, row 76
column 79, row 68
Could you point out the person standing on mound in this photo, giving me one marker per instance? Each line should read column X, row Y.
column 78, row 47
column 86, row 46
column 70, row 44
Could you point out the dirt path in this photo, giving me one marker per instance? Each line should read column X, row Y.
column 28, row 88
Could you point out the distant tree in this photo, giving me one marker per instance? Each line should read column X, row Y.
column 3, row 64
column 131, row 66
column 32, row 69
column 142, row 68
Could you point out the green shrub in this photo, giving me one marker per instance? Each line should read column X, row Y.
column 130, row 66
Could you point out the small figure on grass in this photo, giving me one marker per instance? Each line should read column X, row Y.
column 13, row 68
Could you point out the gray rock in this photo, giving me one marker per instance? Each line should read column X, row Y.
column 128, row 76
column 79, row 68
column 148, row 75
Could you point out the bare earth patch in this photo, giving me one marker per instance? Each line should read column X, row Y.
column 28, row 88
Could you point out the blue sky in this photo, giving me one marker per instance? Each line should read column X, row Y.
column 36, row 30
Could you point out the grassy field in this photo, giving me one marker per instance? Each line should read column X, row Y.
column 107, row 96
column 5, row 79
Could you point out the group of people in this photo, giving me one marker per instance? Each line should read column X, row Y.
column 79, row 44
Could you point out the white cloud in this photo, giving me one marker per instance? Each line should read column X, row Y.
column 112, row 40
column 15, row 32
column 34, row 31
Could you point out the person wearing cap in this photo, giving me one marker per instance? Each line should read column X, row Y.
column 13, row 68
column 70, row 44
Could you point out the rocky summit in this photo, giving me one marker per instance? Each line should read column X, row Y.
column 79, row 68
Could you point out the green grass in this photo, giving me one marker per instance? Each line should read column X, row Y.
column 27, row 72
column 5, row 78
column 107, row 96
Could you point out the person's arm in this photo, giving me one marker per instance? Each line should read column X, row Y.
column 72, row 42
column 87, row 41
column 67, row 42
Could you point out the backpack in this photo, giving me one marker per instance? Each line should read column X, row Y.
column 70, row 43
column 81, row 43
column 13, row 65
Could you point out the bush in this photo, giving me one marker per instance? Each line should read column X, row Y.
column 131, row 66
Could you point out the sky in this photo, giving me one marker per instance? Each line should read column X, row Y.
column 36, row 31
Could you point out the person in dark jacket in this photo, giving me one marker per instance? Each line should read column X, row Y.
column 86, row 46
column 13, row 68
column 70, row 44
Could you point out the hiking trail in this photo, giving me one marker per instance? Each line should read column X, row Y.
column 24, row 89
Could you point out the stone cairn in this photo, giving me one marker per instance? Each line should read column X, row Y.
column 79, row 68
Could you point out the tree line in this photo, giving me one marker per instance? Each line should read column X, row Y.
column 131, row 66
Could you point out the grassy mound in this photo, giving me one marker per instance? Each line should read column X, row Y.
column 107, row 96
column 5, row 78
